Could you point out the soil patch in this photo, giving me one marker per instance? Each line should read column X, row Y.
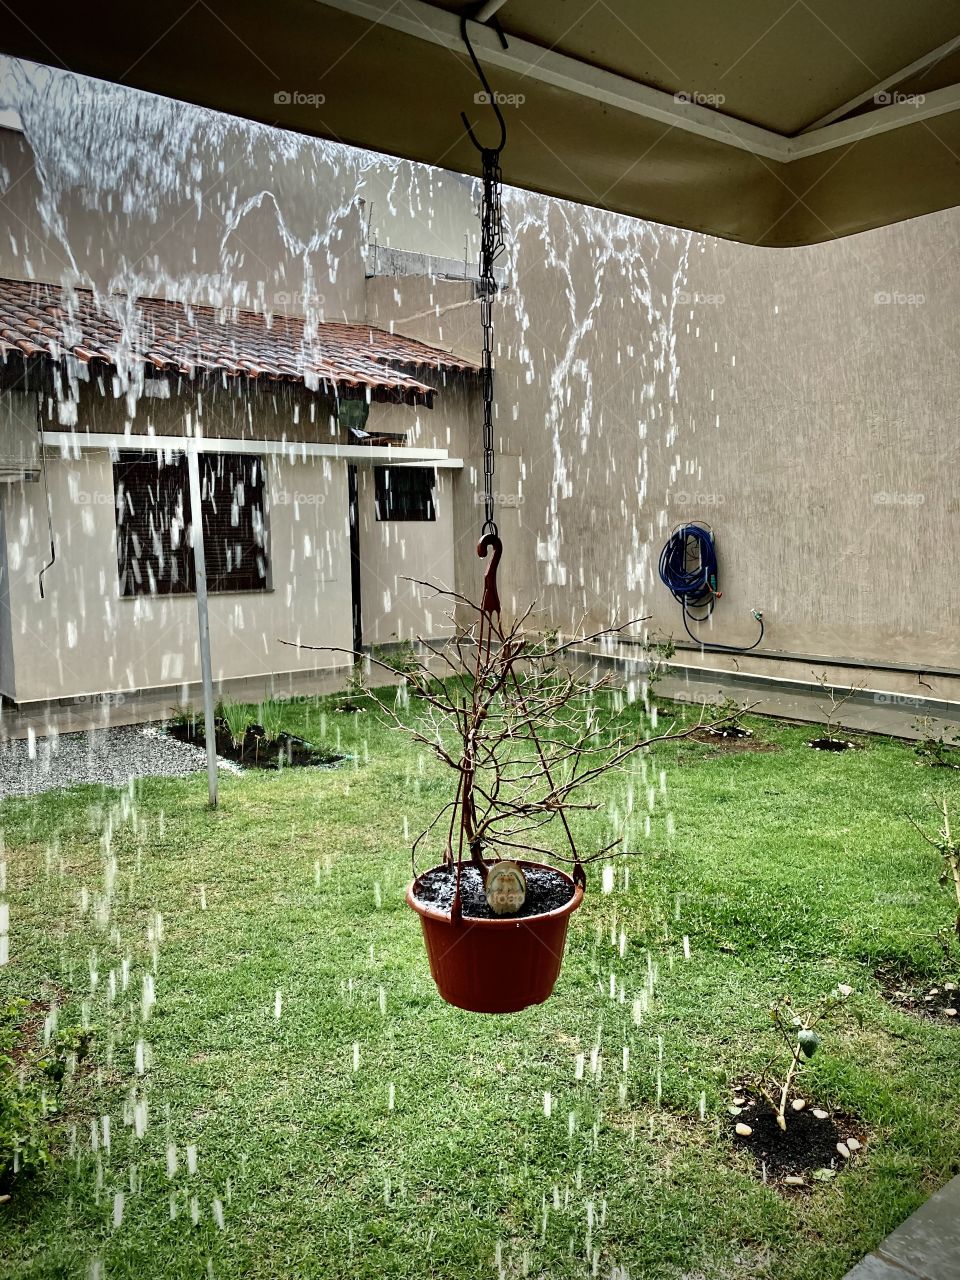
column 814, row 1147
column 547, row 889
column 832, row 744
column 935, row 1001
column 255, row 751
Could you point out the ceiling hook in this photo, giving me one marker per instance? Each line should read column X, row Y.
column 491, row 97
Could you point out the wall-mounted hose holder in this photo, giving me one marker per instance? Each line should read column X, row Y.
column 688, row 569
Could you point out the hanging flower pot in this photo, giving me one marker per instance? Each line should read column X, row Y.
column 494, row 964
column 520, row 733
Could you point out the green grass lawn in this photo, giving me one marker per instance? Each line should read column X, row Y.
column 369, row 1130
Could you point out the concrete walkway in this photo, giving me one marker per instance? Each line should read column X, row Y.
column 925, row 1247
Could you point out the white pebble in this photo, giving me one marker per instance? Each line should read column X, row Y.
column 744, row 1130
column 819, row 1113
column 854, row 1144
column 844, row 1150
column 798, row 1104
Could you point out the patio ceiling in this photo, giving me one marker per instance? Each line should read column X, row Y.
column 773, row 122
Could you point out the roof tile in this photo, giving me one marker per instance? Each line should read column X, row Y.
column 338, row 358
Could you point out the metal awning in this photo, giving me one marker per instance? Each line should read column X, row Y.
column 773, row 122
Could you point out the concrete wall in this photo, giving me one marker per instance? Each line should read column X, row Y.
column 198, row 219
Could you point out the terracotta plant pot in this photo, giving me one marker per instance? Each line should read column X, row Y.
column 495, row 966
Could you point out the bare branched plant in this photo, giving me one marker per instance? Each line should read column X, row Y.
column 524, row 725
column 776, row 1083
column 949, row 849
column 837, row 699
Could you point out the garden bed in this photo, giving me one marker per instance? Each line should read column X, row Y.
column 815, row 1146
column 936, row 1002
column 256, row 751
column 732, row 739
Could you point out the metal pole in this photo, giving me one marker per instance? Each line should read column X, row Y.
column 203, row 620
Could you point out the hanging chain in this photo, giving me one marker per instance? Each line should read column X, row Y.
column 491, row 246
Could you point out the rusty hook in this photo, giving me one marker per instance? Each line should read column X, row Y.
column 490, row 604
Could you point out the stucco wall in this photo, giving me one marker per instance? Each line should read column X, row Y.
column 646, row 377
column 216, row 216
column 394, row 551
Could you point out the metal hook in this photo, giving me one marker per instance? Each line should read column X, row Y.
column 491, row 96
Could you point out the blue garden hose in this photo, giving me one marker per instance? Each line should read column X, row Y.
column 688, row 569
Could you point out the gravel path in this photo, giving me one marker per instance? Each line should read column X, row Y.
column 108, row 756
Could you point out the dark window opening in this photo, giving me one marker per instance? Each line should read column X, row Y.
column 154, row 555
column 405, row 493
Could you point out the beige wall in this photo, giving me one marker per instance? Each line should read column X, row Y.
column 200, row 222
column 646, row 377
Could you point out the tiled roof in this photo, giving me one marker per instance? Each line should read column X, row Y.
column 348, row 360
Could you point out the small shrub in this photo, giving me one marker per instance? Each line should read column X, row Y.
column 658, row 655
column 188, row 719
column 940, row 751
column 23, row 1148
column 949, row 850
column 401, row 658
column 777, row 1082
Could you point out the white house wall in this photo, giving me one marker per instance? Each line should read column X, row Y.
column 394, row 551
column 83, row 638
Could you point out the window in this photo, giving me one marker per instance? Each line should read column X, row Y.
column 405, row 493
column 154, row 556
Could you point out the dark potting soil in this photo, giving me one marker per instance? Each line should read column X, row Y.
column 831, row 744
column 807, row 1149
column 938, row 1001
column 255, row 752
column 546, row 890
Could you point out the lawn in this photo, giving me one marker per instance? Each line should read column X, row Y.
column 299, row 1102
